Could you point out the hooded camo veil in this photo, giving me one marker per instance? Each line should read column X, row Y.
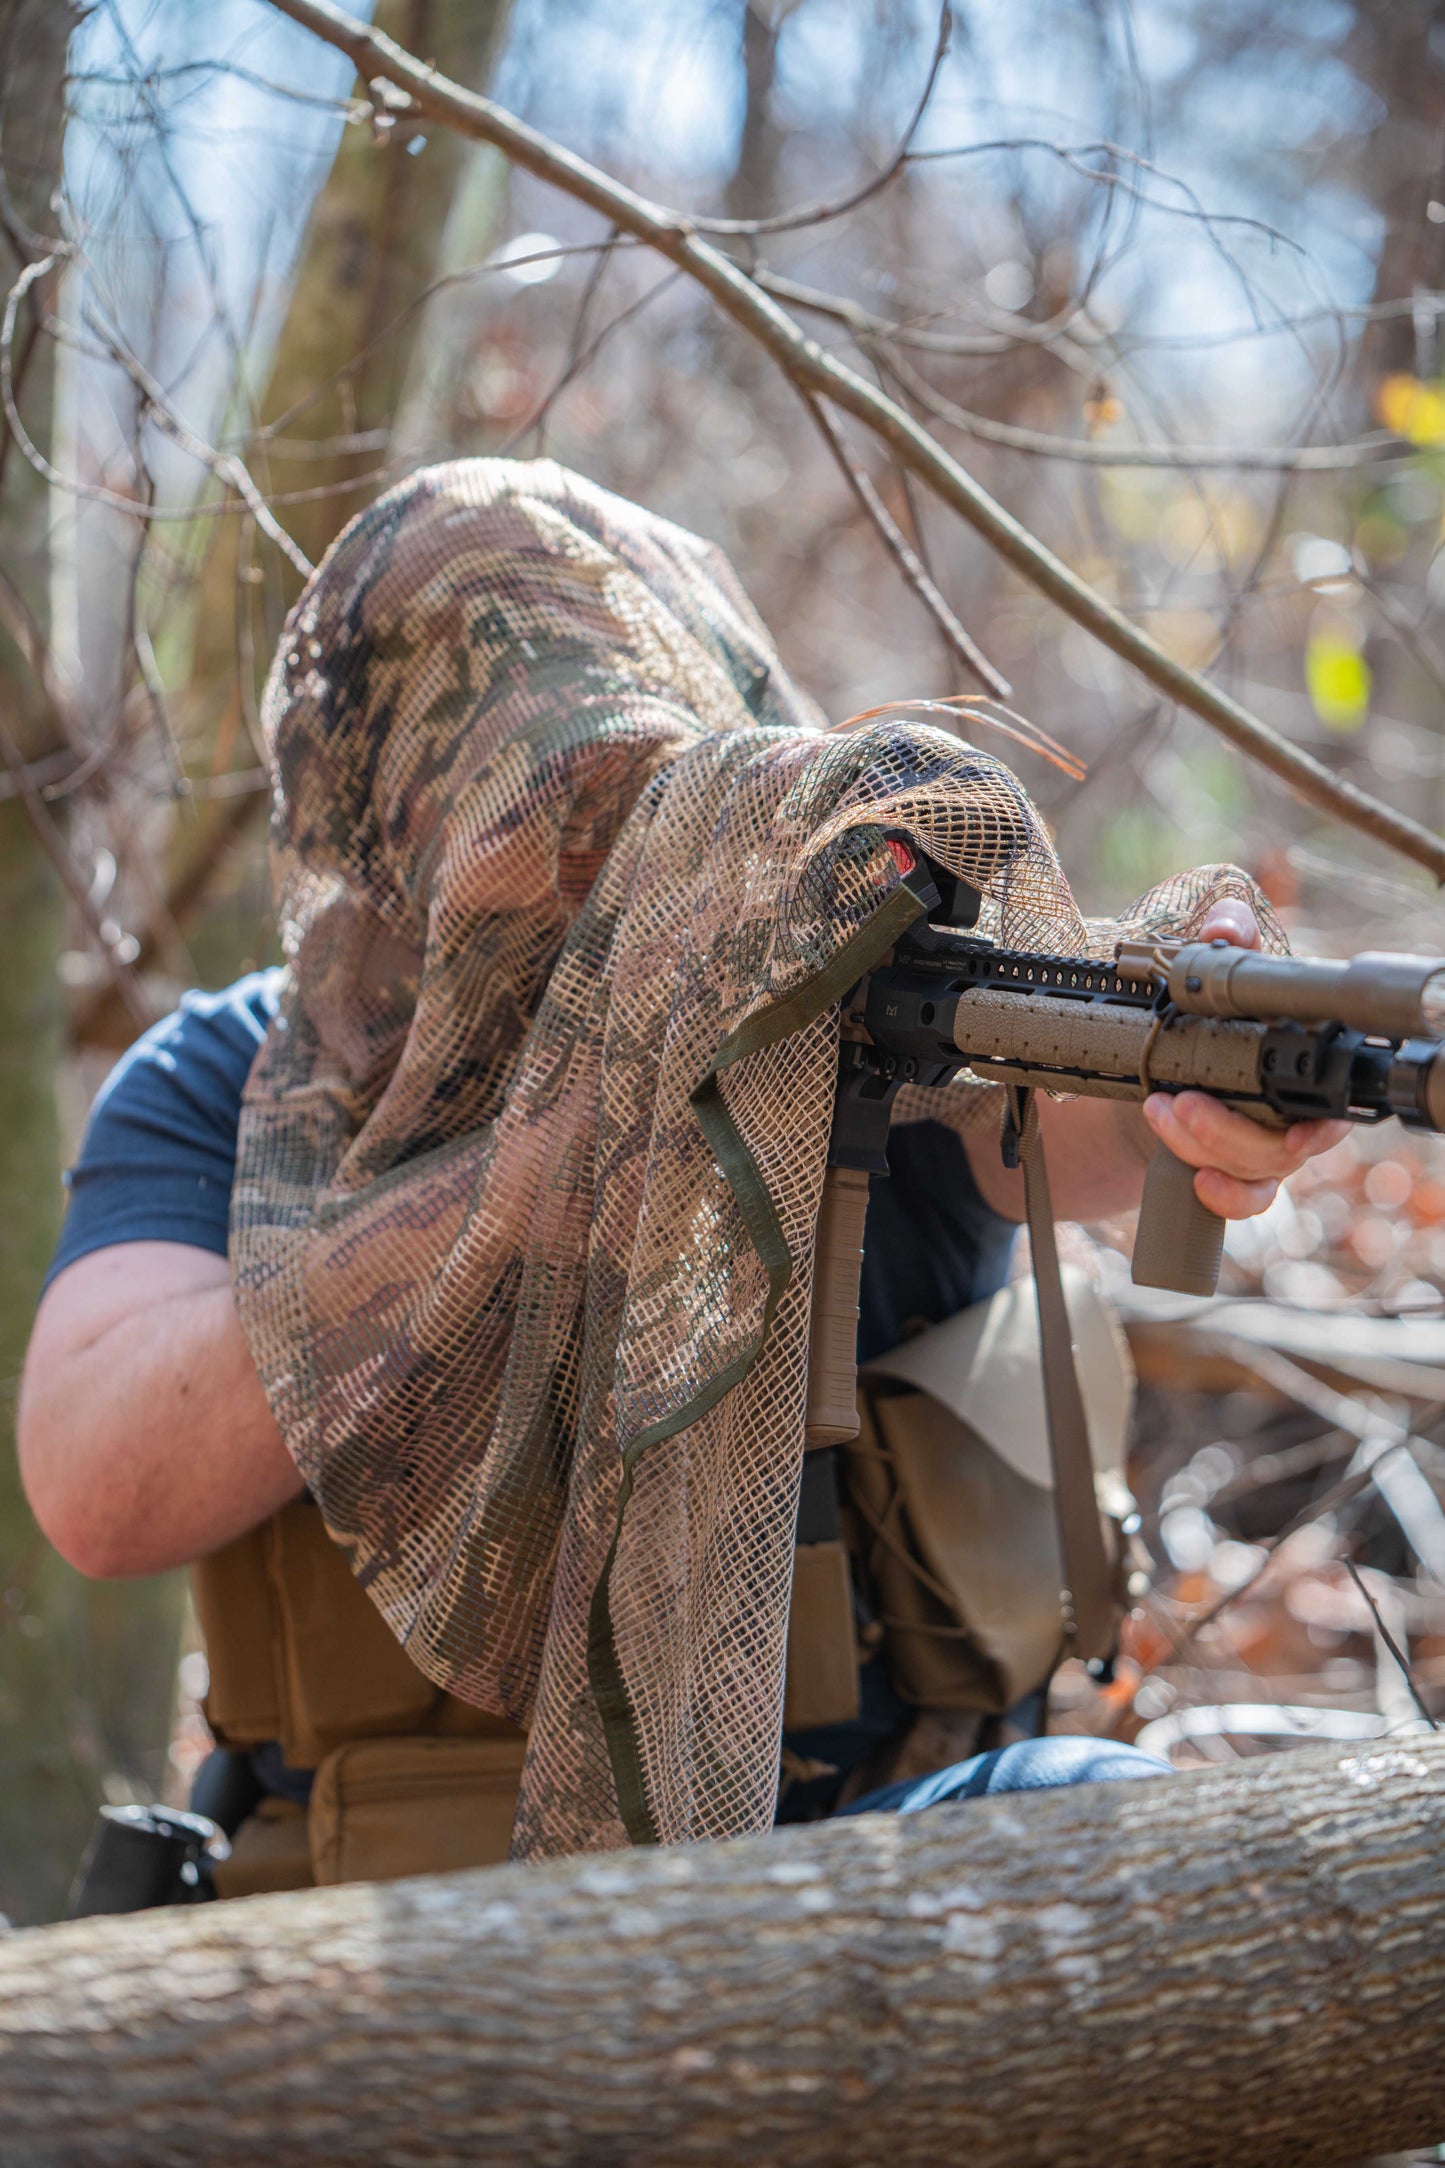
column 571, row 882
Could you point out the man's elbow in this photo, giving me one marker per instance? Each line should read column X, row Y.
column 100, row 1554
column 95, row 1542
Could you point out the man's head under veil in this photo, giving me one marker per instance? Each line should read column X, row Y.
column 571, row 883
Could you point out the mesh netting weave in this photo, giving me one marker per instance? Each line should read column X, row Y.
column 571, row 882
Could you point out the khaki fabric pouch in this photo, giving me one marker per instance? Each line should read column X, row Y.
column 382, row 1808
column 951, row 1479
column 236, row 1612
column 342, row 1670
column 269, row 1852
column 298, row 1651
column 821, row 1681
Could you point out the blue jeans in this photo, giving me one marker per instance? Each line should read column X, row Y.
column 1033, row 1765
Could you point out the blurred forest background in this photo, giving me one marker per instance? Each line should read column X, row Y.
column 1168, row 278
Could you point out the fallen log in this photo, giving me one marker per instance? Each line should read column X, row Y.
column 1230, row 1967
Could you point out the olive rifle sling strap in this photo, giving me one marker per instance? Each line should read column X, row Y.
column 1090, row 1605
column 832, row 1413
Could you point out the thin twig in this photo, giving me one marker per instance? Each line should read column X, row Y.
column 224, row 465
column 1421, row 651
column 1390, row 1642
column 978, row 708
column 20, row 622
column 233, row 817
column 494, row 266
column 1074, row 155
column 143, row 652
column 46, row 772
column 818, row 214
column 27, row 353
column 575, row 359
column 869, row 329
column 349, row 108
column 674, row 236
column 581, row 359
column 1087, row 451
column 891, row 535
column 1338, row 1409
column 51, row 841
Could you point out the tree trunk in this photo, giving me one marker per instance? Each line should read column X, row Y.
column 1239, row 1967
column 373, row 249
column 36, row 1794
column 85, row 1673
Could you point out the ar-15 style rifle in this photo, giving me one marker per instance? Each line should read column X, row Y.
column 1279, row 1038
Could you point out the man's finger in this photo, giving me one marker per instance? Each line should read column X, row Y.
column 1311, row 1138
column 1201, row 1132
column 1230, row 1199
column 1232, row 921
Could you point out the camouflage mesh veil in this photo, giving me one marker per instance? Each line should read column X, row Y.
column 571, row 882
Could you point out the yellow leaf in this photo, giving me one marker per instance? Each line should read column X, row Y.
column 1339, row 681
column 1412, row 409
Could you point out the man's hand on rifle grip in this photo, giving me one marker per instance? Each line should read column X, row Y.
column 1240, row 1163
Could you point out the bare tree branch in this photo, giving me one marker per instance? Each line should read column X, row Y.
column 818, row 214
column 959, row 641
column 676, row 237
column 95, row 1020
column 120, row 973
column 1390, row 1642
column 1085, row 451
column 224, row 465
column 867, row 328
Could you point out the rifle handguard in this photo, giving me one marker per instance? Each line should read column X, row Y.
column 1179, row 1241
column 832, row 1417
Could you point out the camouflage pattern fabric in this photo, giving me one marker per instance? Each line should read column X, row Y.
column 571, row 883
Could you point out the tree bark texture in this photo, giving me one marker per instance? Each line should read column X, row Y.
column 1242, row 1968
column 373, row 249
column 85, row 1672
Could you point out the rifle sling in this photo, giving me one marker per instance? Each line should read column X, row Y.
column 1088, row 1597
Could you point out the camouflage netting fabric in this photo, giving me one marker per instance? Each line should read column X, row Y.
column 571, row 884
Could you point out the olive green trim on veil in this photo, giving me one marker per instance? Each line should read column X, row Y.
column 745, row 1178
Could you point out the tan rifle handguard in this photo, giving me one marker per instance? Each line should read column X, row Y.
column 1179, row 1242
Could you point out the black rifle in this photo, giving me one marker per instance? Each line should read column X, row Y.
column 1279, row 1038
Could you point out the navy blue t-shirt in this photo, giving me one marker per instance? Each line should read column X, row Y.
column 159, row 1157
column 159, row 1153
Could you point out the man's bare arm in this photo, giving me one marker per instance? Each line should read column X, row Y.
column 145, row 1439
